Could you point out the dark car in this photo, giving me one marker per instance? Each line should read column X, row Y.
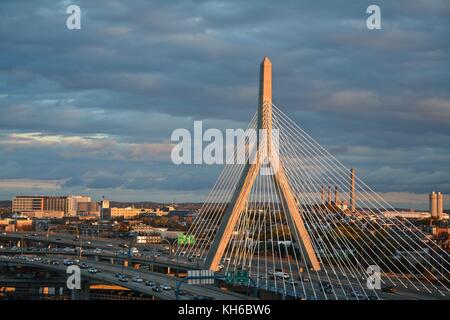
column 203, row 298
column 157, row 289
column 389, row 289
column 182, row 293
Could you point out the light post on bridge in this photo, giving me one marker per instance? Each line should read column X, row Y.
column 171, row 245
column 81, row 242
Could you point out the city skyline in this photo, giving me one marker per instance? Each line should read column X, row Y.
column 81, row 114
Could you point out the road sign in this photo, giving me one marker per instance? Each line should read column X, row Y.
column 207, row 274
column 236, row 277
column 185, row 239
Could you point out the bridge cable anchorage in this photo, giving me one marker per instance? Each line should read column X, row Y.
column 271, row 219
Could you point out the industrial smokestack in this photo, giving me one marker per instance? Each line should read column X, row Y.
column 352, row 190
column 329, row 195
column 322, row 194
column 433, row 204
column 336, row 195
column 440, row 206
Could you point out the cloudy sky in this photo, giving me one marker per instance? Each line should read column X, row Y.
column 91, row 111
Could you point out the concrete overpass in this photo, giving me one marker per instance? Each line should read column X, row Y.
column 107, row 275
column 111, row 247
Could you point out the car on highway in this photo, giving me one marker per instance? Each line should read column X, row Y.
column 157, row 289
column 182, row 292
column 281, row 275
column 123, row 278
column 150, row 283
column 110, row 245
column 389, row 289
column 93, row 270
column 67, row 262
column 166, row 287
column 202, row 298
column 54, row 262
column 327, row 290
column 138, row 279
column 356, row 294
column 291, row 282
column 84, row 266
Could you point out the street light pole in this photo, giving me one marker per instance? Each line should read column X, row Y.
column 81, row 242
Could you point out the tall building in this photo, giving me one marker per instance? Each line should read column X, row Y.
column 40, row 206
column 55, row 203
column 88, row 208
column 72, row 204
column 27, row 203
column 105, row 203
column 440, row 206
column 433, row 204
column 105, row 211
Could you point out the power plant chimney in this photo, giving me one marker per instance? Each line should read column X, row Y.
column 433, row 205
column 440, row 206
column 329, row 195
column 352, row 190
column 336, row 195
column 322, row 194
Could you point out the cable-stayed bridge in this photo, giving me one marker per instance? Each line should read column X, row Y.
column 300, row 223
column 291, row 217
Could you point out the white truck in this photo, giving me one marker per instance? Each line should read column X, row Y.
column 281, row 275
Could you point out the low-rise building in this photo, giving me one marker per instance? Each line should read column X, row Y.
column 13, row 225
column 88, row 209
column 44, row 214
column 125, row 213
column 148, row 239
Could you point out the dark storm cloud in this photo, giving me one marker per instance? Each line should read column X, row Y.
column 109, row 95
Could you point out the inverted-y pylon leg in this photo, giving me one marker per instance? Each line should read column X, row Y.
column 295, row 219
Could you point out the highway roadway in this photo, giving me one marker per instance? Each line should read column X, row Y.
column 108, row 275
column 309, row 290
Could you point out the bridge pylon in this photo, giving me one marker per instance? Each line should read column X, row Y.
column 267, row 160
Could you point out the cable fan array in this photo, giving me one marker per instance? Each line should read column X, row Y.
column 349, row 242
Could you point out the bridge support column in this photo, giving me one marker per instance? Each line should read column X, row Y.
column 97, row 258
column 125, row 263
column 82, row 293
column 168, row 270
